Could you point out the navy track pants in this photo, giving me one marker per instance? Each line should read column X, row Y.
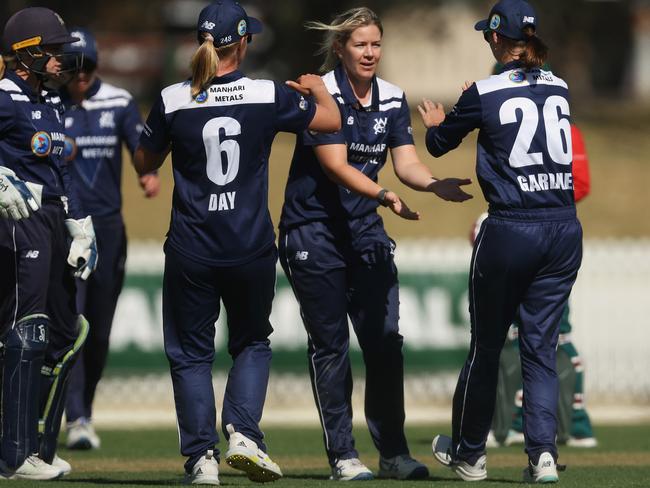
column 525, row 264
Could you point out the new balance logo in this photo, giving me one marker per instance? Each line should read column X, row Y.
column 32, row 254
column 302, row 255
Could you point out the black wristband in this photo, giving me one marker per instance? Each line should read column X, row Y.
column 381, row 197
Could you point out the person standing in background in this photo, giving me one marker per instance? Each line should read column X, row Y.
column 99, row 118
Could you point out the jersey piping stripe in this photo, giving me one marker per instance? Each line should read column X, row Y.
column 311, row 359
column 19, row 98
column 13, row 237
column 471, row 365
column 8, row 85
column 503, row 82
column 388, row 106
column 93, row 105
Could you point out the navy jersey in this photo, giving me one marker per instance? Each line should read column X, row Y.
column 32, row 139
column 95, row 131
column 524, row 154
column 368, row 132
column 220, row 145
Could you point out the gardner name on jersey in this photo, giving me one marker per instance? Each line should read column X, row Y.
column 527, row 168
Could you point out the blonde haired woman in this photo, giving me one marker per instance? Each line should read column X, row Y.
column 337, row 255
column 221, row 245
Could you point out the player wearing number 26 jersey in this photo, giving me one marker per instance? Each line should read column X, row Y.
column 219, row 127
column 528, row 251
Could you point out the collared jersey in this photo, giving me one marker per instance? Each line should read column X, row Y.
column 95, row 130
column 32, row 139
column 220, row 144
column 368, row 133
column 524, row 154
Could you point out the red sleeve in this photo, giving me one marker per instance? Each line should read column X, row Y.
column 581, row 182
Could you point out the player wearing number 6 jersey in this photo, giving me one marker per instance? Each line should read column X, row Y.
column 219, row 126
column 528, row 251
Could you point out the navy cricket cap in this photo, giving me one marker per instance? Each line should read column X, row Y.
column 508, row 18
column 227, row 21
column 86, row 44
column 34, row 26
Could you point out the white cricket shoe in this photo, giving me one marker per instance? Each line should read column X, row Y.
column 441, row 447
column 243, row 454
column 582, row 442
column 34, row 468
column 402, row 467
column 545, row 471
column 205, row 471
column 62, row 465
column 491, row 441
column 350, row 470
column 514, row 438
column 81, row 435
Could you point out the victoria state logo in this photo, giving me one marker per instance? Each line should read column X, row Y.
column 41, row 144
column 242, row 28
column 201, row 97
column 495, row 21
column 517, row 76
column 69, row 148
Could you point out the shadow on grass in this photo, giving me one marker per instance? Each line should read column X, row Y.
column 113, row 481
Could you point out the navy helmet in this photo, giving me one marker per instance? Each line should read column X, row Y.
column 86, row 45
column 508, row 18
column 227, row 21
column 34, row 26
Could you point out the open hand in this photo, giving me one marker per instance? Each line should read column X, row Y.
column 449, row 189
column 432, row 113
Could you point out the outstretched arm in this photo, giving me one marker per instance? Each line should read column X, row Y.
column 333, row 160
column 414, row 174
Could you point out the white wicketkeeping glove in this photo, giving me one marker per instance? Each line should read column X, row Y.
column 83, row 250
column 18, row 198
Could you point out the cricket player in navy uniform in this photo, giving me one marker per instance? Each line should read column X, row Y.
column 337, row 255
column 528, row 251
column 99, row 118
column 219, row 127
column 39, row 328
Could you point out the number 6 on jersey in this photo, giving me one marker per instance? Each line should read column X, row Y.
column 221, row 172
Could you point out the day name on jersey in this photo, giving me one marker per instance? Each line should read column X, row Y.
column 546, row 181
column 222, row 201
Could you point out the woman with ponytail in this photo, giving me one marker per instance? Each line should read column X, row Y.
column 527, row 252
column 219, row 127
column 336, row 253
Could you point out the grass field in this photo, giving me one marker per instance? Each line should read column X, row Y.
column 150, row 458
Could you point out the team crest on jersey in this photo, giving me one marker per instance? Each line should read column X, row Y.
column 107, row 120
column 69, row 148
column 517, row 76
column 201, row 97
column 380, row 125
column 303, row 104
column 495, row 21
column 41, row 144
column 242, row 28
